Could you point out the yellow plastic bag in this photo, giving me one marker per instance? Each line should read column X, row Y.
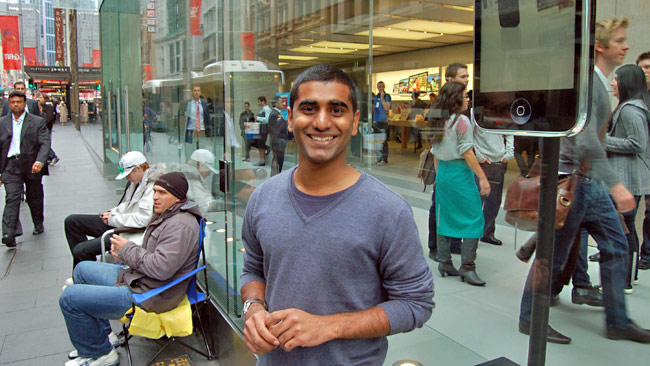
column 174, row 323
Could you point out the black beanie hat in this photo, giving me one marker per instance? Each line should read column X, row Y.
column 175, row 183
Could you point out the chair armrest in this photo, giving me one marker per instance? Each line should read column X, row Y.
column 140, row 298
column 120, row 230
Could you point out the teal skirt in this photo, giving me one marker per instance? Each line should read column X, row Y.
column 458, row 202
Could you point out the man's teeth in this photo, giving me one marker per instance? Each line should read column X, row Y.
column 323, row 139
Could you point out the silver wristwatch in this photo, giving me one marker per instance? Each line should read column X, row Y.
column 249, row 302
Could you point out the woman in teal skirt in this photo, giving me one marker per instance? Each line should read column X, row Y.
column 458, row 201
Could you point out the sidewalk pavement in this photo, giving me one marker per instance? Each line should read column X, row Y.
column 32, row 329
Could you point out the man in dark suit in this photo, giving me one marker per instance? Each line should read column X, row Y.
column 24, row 146
column 32, row 105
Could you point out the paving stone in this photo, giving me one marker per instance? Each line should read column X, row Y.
column 36, row 347
column 26, row 320
column 18, row 300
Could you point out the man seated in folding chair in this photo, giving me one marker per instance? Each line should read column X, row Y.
column 133, row 211
column 102, row 291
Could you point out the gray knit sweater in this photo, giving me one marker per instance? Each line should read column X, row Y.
column 628, row 146
column 361, row 251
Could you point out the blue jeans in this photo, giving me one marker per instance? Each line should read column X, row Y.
column 593, row 210
column 580, row 276
column 90, row 302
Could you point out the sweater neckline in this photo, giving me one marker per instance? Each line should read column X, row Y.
column 305, row 219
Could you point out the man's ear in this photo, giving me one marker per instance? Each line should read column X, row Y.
column 599, row 47
column 355, row 123
column 290, row 117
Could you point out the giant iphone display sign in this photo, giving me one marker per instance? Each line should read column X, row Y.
column 533, row 62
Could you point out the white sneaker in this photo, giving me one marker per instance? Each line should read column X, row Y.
column 110, row 359
column 112, row 337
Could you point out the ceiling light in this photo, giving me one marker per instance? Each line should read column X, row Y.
column 332, row 47
column 298, row 58
column 418, row 29
column 282, row 63
column 406, row 363
column 221, row 230
column 230, row 240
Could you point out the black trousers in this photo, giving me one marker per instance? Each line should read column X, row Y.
column 77, row 230
column 16, row 181
column 495, row 173
column 278, row 156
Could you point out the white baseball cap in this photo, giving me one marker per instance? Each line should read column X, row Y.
column 206, row 157
column 129, row 162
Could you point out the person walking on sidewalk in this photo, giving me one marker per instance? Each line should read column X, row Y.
column 24, row 145
column 103, row 291
column 47, row 111
column 32, row 105
column 378, row 282
column 592, row 207
column 133, row 211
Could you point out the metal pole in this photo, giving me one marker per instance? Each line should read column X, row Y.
column 543, row 264
column 126, row 118
column 118, row 109
column 22, row 39
column 109, row 120
column 74, row 64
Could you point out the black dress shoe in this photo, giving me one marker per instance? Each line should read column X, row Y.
column 38, row 230
column 594, row 257
column 9, row 240
column 492, row 240
column 552, row 335
column 630, row 333
column 587, row 295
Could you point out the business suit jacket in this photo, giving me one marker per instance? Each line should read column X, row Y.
column 32, row 105
column 34, row 143
column 207, row 123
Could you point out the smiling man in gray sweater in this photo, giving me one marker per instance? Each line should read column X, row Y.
column 333, row 260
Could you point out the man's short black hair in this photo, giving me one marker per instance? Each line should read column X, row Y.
column 245, row 103
column 16, row 93
column 262, row 99
column 643, row 56
column 324, row 73
column 19, row 82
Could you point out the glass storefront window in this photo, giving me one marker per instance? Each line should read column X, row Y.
column 230, row 62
